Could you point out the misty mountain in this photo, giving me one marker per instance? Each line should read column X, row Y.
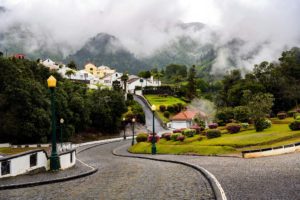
column 105, row 49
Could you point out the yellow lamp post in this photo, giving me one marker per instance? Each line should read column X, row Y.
column 54, row 159
column 153, row 148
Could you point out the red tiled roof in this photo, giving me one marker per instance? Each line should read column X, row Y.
column 188, row 115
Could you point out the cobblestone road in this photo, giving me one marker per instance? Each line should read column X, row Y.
column 122, row 178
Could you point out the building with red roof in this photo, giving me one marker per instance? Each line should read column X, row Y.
column 185, row 119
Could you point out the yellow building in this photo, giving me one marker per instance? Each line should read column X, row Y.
column 99, row 72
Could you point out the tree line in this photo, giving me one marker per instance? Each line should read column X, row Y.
column 25, row 104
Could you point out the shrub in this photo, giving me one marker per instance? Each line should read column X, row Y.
column 297, row 117
column 298, row 110
column 295, row 125
column 167, row 114
column 180, row 106
column 177, row 131
column 170, row 108
column 291, row 113
column 233, row 127
column 281, row 115
column 225, row 114
column 167, row 136
column 267, row 123
column 180, row 138
column 176, row 110
column 213, row 125
column 261, row 124
column 241, row 113
column 151, row 136
column 189, row 132
column 213, row 133
column 199, row 121
column 245, row 125
column 174, row 136
column 197, row 128
column 162, row 108
column 142, row 137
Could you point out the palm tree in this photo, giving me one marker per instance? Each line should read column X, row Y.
column 124, row 78
column 69, row 73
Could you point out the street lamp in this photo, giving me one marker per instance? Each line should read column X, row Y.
column 54, row 159
column 124, row 126
column 153, row 149
column 133, row 121
column 61, row 127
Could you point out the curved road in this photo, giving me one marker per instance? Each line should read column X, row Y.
column 122, row 178
column 149, row 117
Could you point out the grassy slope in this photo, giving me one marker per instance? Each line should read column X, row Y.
column 278, row 134
column 157, row 100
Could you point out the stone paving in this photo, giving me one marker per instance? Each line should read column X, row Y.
column 276, row 177
column 122, row 178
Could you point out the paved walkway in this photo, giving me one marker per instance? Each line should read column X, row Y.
column 122, row 178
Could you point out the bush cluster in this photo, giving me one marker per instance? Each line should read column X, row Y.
column 189, row 132
column 197, row 128
column 281, row 115
column 295, row 125
column 167, row 136
column 174, row 136
column 142, row 137
column 261, row 124
column 212, row 125
column 181, row 138
column 233, row 127
column 150, row 136
column 245, row 125
column 167, row 114
column 162, row 108
column 177, row 131
column 213, row 133
column 291, row 113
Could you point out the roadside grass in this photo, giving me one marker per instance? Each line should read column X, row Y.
column 11, row 151
column 166, row 101
column 277, row 135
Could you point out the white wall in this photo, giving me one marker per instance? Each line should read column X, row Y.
column 179, row 124
column 5, row 145
column 65, row 160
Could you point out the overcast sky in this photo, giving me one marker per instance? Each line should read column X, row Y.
column 140, row 24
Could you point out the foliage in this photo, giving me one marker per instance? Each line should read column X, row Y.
column 72, row 65
column 167, row 136
column 181, row 138
column 197, row 128
column 167, row 114
column 261, row 124
column 162, row 108
column 171, row 109
column 177, row 131
column 245, row 125
column 198, row 120
column 281, row 115
column 213, row 133
column 150, row 137
column 233, row 127
column 191, row 87
column 295, row 125
column 135, row 110
column 142, row 137
column 189, row 132
column 213, row 125
column 175, row 72
column 225, row 114
column 174, row 136
column 241, row 113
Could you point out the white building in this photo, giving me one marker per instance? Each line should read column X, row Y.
column 80, row 75
column 134, row 82
column 185, row 119
column 110, row 78
column 50, row 64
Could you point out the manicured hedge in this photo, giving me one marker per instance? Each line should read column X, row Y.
column 233, row 127
column 142, row 137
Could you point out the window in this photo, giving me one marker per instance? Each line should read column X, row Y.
column 33, row 160
column 5, row 167
column 71, row 157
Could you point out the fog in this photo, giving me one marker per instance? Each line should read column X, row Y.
column 265, row 27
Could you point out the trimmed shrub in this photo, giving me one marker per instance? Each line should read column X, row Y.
column 189, row 132
column 175, row 106
column 142, row 137
column 213, row 133
column 162, row 108
column 180, row 138
column 177, row 131
column 241, row 113
column 197, row 128
column 261, row 124
column 167, row 114
column 291, row 113
column 170, row 108
column 174, row 136
column 151, row 136
column 297, row 117
column 167, row 136
column 212, row 125
column 281, row 115
column 225, row 114
column 245, row 125
column 295, row 125
column 267, row 123
column 233, row 127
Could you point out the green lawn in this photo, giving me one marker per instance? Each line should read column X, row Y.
column 11, row 151
column 278, row 134
column 167, row 101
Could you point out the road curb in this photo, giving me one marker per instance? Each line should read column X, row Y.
column 219, row 193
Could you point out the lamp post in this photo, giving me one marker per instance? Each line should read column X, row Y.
column 124, row 126
column 153, row 148
column 61, row 127
column 133, row 121
column 54, row 159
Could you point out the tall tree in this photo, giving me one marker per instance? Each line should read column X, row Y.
column 191, row 87
column 72, row 65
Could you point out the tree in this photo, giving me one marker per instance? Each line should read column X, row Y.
column 124, row 79
column 116, row 85
column 191, row 87
column 1, row 54
column 69, row 73
column 72, row 65
column 259, row 105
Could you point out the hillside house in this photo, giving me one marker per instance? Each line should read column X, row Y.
column 185, row 119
